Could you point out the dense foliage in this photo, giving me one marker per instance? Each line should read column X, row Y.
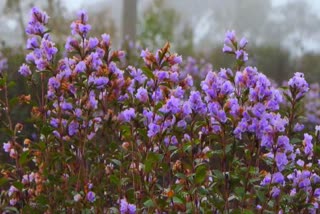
column 111, row 138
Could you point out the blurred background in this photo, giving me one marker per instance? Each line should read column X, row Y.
column 284, row 35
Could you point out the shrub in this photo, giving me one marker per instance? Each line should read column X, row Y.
column 145, row 139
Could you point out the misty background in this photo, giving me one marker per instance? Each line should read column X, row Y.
column 283, row 34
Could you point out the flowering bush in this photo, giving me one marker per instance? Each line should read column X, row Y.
column 144, row 139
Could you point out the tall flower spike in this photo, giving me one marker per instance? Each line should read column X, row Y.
column 38, row 20
column 80, row 25
column 232, row 46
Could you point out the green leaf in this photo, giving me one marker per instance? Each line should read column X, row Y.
column 218, row 174
column 201, row 172
column 41, row 199
column 247, row 212
column 147, row 72
column 114, row 179
column 150, row 161
column 180, row 175
column 295, row 140
column 18, row 185
column 24, row 158
column 116, row 162
column 86, row 211
column 13, row 101
column 11, row 84
column 148, row 203
column 46, row 130
column 12, row 210
column 240, row 192
column 261, row 196
column 177, row 200
column 3, row 181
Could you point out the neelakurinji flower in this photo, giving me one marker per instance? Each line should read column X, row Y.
column 25, row 70
column 298, row 85
column 3, row 63
column 127, row 208
column 80, row 26
column 308, row 146
column 91, row 196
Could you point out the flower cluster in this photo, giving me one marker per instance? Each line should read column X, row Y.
column 42, row 48
column 232, row 46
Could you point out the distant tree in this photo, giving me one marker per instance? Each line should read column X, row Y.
column 129, row 19
column 157, row 25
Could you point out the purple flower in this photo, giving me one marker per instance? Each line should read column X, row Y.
column 73, row 128
column 3, row 63
column 305, row 183
column 300, row 162
column 243, row 42
column 182, row 124
column 33, row 43
column 71, row 44
column 39, row 16
column 48, row 48
column 171, row 140
column 281, row 160
column 317, row 192
column 308, row 146
column 95, row 60
column 106, row 39
column 91, row 196
column 283, row 142
column 25, row 70
column 230, row 36
column 173, row 104
column 7, row 147
column 12, row 190
column 80, row 26
column 53, row 83
column 153, row 129
column 162, row 75
column 174, row 59
column 81, row 67
column 196, row 102
column 82, row 16
column 66, row 106
column 93, row 43
column 93, row 103
column 137, row 74
column 174, row 77
column 278, row 178
column 101, row 82
column 36, row 25
column 266, row 180
column 127, row 115
column 275, row 192
column 241, row 55
column 13, row 201
column 126, row 208
column 226, row 49
column 142, row 95
column 298, row 85
column 78, row 112
column 84, row 29
column 298, row 127
column 186, row 109
column 42, row 64
column 54, row 122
